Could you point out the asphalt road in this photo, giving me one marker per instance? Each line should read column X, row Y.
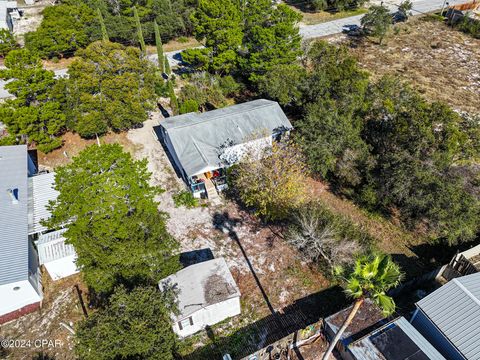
column 307, row 31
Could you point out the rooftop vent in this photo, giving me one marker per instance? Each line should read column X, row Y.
column 13, row 195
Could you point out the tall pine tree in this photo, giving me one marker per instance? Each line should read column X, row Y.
column 102, row 25
column 158, row 43
column 141, row 40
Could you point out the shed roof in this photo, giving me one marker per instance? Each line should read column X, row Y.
column 368, row 317
column 200, row 285
column 397, row 340
column 455, row 310
column 197, row 137
column 13, row 214
column 41, row 192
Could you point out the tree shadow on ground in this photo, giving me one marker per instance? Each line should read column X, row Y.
column 266, row 331
column 439, row 254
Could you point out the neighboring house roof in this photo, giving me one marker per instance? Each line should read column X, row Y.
column 41, row 192
column 201, row 285
column 13, row 214
column 197, row 137
column 455, row 310
column 51, row 246
column 397, row 340
column 367, row 318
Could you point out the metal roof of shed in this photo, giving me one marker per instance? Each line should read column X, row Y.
column 197, row 137
column 13, row 215
column 395, row 340
column 41, row 192
column 200, row 285
column 455, row 310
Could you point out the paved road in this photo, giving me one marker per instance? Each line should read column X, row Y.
column 335, row 26
column 307, row 31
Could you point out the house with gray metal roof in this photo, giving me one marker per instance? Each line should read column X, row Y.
column 206, row 294
column 449, row 318
column 202, row 145
column 20, row 286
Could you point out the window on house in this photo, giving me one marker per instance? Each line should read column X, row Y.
column 185, row 323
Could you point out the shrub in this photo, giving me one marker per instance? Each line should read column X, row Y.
column 188, row 106
column 185, row 198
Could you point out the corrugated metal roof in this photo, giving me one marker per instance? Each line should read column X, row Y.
column 41, row 193
column 365, row 349
column 455, row 310
column 200, row 285
column 51, row 246
column 13, row 216
column 197, row 138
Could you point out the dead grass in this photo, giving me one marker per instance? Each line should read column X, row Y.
column 317, row 17
column 60, row 305
column 390, row 238
column 442, row 63
column 73, row 144
column 174, row 45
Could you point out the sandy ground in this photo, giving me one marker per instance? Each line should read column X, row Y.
column 442, row 63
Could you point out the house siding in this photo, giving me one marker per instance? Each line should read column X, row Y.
column 425, row 327
column 209, row 315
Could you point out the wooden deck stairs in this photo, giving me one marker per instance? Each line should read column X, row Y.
column 212, row 193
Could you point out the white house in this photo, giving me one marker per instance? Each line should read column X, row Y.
column 206, row 295
column 20, row 285
column 202, row 145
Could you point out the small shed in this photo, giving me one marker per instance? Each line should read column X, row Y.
column 397, row 340
column 368, row 318
column 57, row 256
column 206, row 295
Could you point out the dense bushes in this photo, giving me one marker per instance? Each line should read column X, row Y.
column 336, row 5
column 383, row 144
column 74, row 24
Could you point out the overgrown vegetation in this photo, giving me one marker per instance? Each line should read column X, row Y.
column 109, row 87
column 383, row 144
column 108, row 207
column 133, row 325
column 271, row 180
column 324, row 237
column 185, row 198
column 244, row 40
column 34, row 116
column 470, row 26
column 73, row 24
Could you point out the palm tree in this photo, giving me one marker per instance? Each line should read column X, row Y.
column 372, row 276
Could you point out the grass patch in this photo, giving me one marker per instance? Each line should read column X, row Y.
column 318, row 17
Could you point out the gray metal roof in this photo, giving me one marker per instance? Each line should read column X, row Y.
column 406, row 344
column 41, row 192
column 200, row 285
column 13, row 216
column 51, row 246
column 197, row 137
column 455, row 310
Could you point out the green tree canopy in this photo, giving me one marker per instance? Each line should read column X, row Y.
column 271, row 37
column 377, row 22
column 133, row 325
column 7, row 42
column 249, row 40
column 110, row 87
column 330, row 131
column 219, row 23
column 64, row 29
column 113, row 222
column 34, row 116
